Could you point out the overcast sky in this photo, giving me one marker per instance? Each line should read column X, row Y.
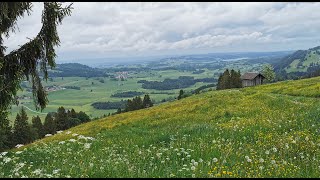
column 127, row 29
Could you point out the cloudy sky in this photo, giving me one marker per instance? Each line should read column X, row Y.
column 128, row 29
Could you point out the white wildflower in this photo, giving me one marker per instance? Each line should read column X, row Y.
column 75, row 134
column 307, row 138
column 261, row 160
column 4, row 153
column 273, row 161
column 249, row 160
column 48, row 135
column 87, row 145
column 72, row 140
column 139, row 152
column 267, row 152
column 193, row 175
column 56, row 171
column 58, row 132
column 200, row 160
column 274, row 149
column 18, row 152
column 193, row 168
column 37, row 171
column 261, row 167
column 7, row 159
column 215, row 160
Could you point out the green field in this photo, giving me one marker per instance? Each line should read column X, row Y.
column 265, row 131
column 82, row 99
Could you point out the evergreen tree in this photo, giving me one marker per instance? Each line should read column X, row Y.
column 119, row 111
column 72, row 122
column 229, row 80
column 49, row 125
column 5, row 135
column 22, row 63
column 226, row 79
column 73, row 113
column 235, row 80
column 61, row 119
column 22, row 131
column 137, row 103
column 37, row 124
column 180, row 94
column 147, row 101
column 83, row 117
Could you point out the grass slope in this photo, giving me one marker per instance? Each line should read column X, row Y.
column 265, row 131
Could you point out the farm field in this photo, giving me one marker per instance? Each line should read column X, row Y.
column 81, row 100
column 264, row 131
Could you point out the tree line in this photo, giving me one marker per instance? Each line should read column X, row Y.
column 23, row 133
column 228, row 80
column 169, row 84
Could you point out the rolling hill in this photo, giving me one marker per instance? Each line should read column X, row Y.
column 264, row 131
column 300, row 61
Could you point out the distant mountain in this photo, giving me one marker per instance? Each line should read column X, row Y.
column 302, row 61
column 75, row 69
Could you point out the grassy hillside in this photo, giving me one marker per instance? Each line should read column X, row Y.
column 300, row 61
column 266, row 131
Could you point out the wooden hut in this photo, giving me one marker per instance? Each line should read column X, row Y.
column 252, row 79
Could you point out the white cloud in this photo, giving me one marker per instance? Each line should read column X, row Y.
column 111, row 29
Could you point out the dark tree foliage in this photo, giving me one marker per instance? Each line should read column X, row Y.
column 37, row 124
column 109, row 105
column 168, row 84
column 127, row 94
column 229, row 80
column 5, row 135
column 49, row 125
column 180, row 94
column 22, row 133
column 61, row 119
column 37, row 54
column 83, row 117
column 76, row 70
column 147, row 101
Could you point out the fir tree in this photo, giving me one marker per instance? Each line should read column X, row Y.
column 49, row 125
column 22, row 131
column 61, row 119
column 23, row 62
column 147, row 101
column 83, row 117
column 37, row 124
column 5, row 135
column 180, row 94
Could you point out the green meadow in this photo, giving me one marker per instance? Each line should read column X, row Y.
column 264, row 131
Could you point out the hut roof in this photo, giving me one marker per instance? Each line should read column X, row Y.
column 250, row 75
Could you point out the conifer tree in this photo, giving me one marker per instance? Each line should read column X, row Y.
column 61, row 119
column 5, row 135
column 49, row 125
column 83, row 117
column 180, row 94
column 147, row 101
column 23, row 62
column 37, row 124
column 22, row 131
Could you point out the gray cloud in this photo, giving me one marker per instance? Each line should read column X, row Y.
column 138, row 28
